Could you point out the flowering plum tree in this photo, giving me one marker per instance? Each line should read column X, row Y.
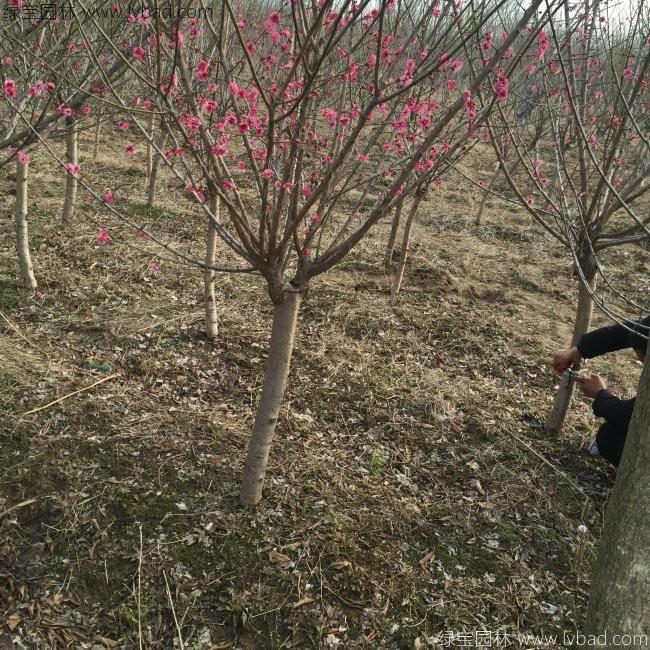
column 306, row 123
column 47, row 79
column 582, row 180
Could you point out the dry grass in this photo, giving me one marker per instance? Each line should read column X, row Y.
column 410, row 490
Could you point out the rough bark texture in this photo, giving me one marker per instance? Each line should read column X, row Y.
column 71, row 183
column 25, row 269
column 556, row 417
column 211, row 319
column 620, row 588
column 390, row 247
column 406, row 245
column 285, row 316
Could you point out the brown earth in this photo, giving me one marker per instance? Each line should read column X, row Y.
column 411, row 489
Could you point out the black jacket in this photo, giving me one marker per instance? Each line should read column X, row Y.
column 614, row 410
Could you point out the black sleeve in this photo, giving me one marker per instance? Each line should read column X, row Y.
column 614, row 409
column 614, row 337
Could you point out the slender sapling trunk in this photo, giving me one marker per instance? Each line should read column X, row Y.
column 481, row 207
column 390, row 247
column 556, row 417
column 98, row 126
column 151, row 189
column 285, row 317
column 25, row 268
column 211, row 320
column 150, row 127
column 406, row 245
column 70, row 179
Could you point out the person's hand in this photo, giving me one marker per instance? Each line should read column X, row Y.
column 565, row 359
column 590, row 385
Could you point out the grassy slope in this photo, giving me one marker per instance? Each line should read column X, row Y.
column 410, row 491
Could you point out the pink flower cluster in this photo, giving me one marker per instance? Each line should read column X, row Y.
column 502, row 86
column 10, row 88
column 543, row 45
column 202, row 69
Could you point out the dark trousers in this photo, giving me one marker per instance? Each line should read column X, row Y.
column 610, row 440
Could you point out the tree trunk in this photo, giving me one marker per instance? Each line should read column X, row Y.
column 25, row 268
column 556, row 417
column 484, row 198
column 406, row 245
column 70, row 179
column 390, row 248
column 150, row 127
column 211, row 320
column 98, row 126
column 151, row 189
column 619, row 602
column 285, row 317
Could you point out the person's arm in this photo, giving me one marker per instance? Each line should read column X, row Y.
column 612, row 408
column 612, row 338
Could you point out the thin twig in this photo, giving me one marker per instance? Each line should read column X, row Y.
column 171, row 604
column 22, row 504
column 140, row 592
column 15, row 329
column 76, row 392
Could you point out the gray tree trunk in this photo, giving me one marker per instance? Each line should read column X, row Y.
column 71, row 182
column 390, row 247
column 150, row 127
column 620, row 587
column 406, row 246
column 556, row 417
column 211, row 319
column 484, row 198
column 151, row 189
column 25, row 268
column 98, row 127
column 285, row 317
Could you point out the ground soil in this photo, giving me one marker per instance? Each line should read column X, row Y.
column 411, row 490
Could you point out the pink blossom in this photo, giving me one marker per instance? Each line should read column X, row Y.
column 108, row 197
column 228, row 185
column 363, row 158
column 628, row 73
column 138, row 53
column 103, row 237
column 306, row 252
column 219, row 149
column 154, row 267
column 202, row 69
column 450, row 84
column 130, row 149
column 23, row 158
column 123, row 126
column 209, row 106
column 73, row 168
column 267, row 174
column 10, row 88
